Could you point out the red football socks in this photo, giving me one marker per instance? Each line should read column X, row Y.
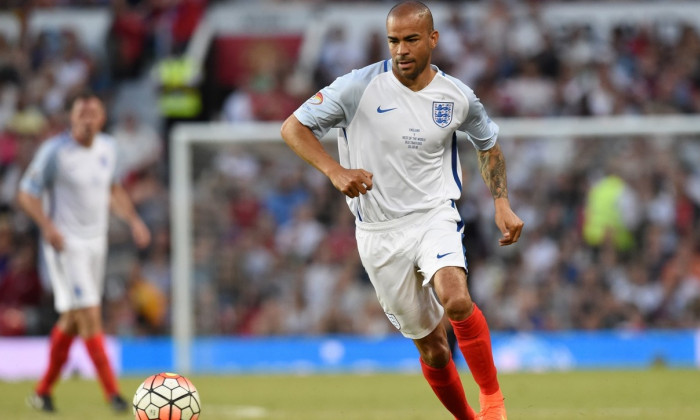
column 59, row 347
column 96, row 350
column 447, row 385
column 474, row 340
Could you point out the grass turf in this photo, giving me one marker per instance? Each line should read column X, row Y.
column 642, row 395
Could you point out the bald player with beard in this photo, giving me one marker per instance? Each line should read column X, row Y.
column 400, row 172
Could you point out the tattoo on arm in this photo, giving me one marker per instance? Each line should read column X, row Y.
column 492, row 166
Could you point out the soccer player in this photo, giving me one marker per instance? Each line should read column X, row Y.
column 400, row 171
column 73, row 176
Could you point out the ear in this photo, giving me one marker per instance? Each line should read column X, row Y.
column 434, row 39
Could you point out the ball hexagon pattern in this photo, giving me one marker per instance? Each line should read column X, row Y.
column 166, row 396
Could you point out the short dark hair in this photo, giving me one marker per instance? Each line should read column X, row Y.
column 81, row 94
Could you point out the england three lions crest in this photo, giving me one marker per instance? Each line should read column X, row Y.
column 442, row 113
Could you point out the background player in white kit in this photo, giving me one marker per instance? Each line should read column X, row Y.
column 401, row 174
column 68, row 190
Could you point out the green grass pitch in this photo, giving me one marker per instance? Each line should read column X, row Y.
column 656, row 394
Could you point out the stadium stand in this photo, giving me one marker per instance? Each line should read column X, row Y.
column 280, row 258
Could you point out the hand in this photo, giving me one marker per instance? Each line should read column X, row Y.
column 351, row 182
column 53, row 237
column 508, row 222
column 140, row 233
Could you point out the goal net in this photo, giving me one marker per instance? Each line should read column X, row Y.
column 263, row 245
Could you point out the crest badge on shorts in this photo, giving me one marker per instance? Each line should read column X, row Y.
column 393, row 320
column 442, row 113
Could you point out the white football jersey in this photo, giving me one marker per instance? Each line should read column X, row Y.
column 406, row 139
column 75, row 183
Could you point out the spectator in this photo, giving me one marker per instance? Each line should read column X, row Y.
column 127, row 42
column 139, row 146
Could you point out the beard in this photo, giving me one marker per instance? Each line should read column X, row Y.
column 413, row 70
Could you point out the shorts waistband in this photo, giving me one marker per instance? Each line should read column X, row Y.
column 401, row 222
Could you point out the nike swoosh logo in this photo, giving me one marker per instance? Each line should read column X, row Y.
column 443, row 255
column 381, row 111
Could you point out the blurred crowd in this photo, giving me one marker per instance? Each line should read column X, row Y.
column 39, row 71
column 611, row 238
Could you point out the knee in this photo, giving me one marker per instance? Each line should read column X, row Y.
column 67, row 323
column 88, row 321
column 437, row 355
column 458, row 307
column 451, row 288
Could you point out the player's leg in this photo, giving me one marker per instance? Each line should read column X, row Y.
column 62, row 334
column 90, row 327
column 388, row 258
column 473, row 338
column 60, row 343
column 87, row 273
column 89, row 322
column 441, row 373
column 441, row 259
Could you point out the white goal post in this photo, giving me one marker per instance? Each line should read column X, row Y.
column 185, row 135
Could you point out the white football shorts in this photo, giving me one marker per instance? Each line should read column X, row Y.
column 76, row 273
column 401, row 256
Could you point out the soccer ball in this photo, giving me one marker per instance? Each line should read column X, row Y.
column 166, row 396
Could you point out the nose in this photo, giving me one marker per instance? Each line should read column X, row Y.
column 401, row 49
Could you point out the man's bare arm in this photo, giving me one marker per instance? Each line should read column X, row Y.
column 34, row 207
column 351, row 182
column 121, row 205
column 492, row 166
